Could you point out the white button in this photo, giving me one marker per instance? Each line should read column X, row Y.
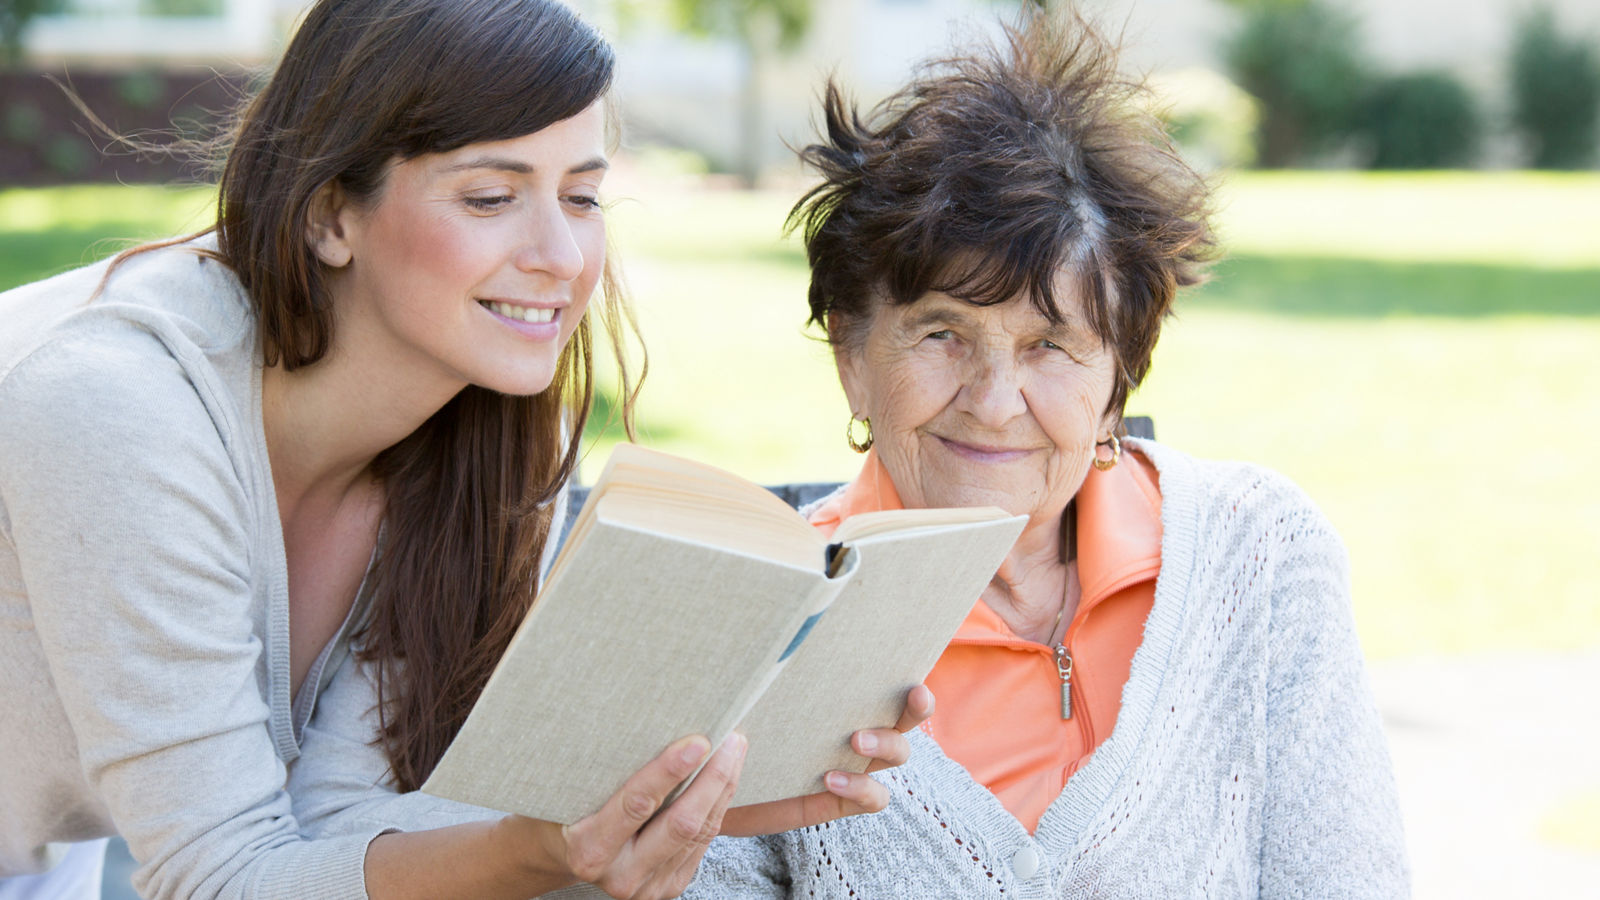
column 1025, row 863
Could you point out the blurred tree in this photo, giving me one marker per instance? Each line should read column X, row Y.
column 182, row 7
column 1421, row 120
column 763, row 29
column 1555, row 87
column 1300, row 59
column 1212, row 119
column 14, row 18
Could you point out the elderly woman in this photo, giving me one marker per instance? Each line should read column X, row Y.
column 1161, row 693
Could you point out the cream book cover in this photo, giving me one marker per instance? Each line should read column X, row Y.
column 687, row 600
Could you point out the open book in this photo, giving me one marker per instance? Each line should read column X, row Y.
column 687, row 600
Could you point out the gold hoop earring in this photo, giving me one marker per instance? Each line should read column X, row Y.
column 1116, row 453
column 860, row 446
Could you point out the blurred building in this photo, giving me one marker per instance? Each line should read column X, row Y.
column 686, row 91
column 225, row 33
column 872, row 40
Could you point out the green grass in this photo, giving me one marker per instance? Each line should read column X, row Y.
column 1453, row 455
column 1442, row 409
column 1515, row 218
column 43, row 232
column 1417, row 352
column 1334, row 288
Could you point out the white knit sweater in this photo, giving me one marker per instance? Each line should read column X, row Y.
column 1248, row 759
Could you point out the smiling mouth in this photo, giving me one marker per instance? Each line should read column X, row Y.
column 983, row 453
column 520, row 313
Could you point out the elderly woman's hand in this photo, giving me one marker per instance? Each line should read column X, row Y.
column 848, row 793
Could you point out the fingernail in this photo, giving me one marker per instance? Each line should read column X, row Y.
column 694, row 750
column 737, row 745
column 836, row 781
column 867, row 741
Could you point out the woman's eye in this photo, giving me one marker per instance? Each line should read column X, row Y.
column 943, row 334
column 488, row 204
column 584, row 201
column 1051, row 345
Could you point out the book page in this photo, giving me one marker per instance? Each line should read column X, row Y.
column 661, row 492
column 641, row 639
column 737, row 527
column 633, row 464
column 878, row 639
column 887, row 520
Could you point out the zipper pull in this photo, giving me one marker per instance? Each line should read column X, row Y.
column 1064, row 669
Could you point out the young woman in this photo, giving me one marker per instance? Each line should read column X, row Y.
column 335, row 424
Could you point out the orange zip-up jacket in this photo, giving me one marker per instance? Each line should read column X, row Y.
column 998, row 697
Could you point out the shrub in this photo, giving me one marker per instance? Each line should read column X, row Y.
column 14, row 18
column 68, row 156
column 46, row 139
column 1300, row 60
column 142, row 89
column 184, row 7
column 1211, row 119
column 1421, row 120
column 23, row 122
column 1555, row 87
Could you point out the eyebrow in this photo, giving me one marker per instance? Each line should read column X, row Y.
column 518, row 167
column 934, row 316
column 1064, row 331
column 1054, row 331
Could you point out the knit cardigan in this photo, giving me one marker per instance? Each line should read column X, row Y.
column 144, row 613
column 1248, row 759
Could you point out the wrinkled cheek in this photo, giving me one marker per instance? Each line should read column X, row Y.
column 1086, row 423
column 1069, row 418
column 911, row 396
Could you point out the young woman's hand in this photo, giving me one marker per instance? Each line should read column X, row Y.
column 625, row 849
column 625, row 852
column 848, row 793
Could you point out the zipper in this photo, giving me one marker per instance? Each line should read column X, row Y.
column 1064, row 669
column 1069, row 712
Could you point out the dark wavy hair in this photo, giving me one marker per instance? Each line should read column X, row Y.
column 993, row 172
column 362, row 84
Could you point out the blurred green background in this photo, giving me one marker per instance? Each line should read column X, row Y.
column 1418, row 351
column 1407, row 320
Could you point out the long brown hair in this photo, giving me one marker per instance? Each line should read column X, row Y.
column 468, row 494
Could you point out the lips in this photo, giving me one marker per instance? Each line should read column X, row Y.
column 985, row 452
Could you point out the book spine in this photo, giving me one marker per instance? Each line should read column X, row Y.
column 822, row 595
column 842, row 566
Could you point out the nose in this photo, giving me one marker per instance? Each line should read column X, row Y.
column 993, row 392
column 550, row 247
